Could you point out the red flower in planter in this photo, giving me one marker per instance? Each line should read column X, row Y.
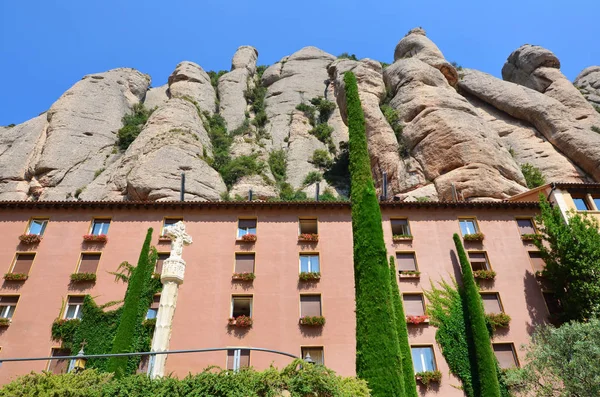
column 312, row 320
column 246, row 276
column 249, row 237
column 30, row 238
column 15, row 277
column 312, row 237
column 309, row 276
column 241, row 321
column 101, row 238
column 417, row 319
column 484, row 274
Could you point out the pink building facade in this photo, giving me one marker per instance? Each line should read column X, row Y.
column 276, row 298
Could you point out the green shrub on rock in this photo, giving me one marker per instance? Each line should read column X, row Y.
column 132, row 125
column 533, row 176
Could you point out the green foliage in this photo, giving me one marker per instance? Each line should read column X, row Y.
column 321, row 158
column 215, row 76
column 485, row 378
column 338, row 173
column 561, row 362
column 260, row 69
column 308, row 110
column 345, row 55
column 299, row 379
column 132, row 125
column 64, row 330
column 378, row 359
column 11, row 125
column 98, row 172
column 457, row 66
column 327, row 195
column 130, row 332
column 533, row 176
column 256, row 98
column 394, row 121
column 321, row 130
column 312, row 177
column 408, row 371
column 221, row 141
column 571, row 252
column 595, row 107
column 596, row 129
column 240, row 167
column 278, row 164
column 324, row 107
column 287, row 193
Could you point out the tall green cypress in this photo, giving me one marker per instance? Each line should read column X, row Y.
column 378, row 358
column 485, row 377
column 410, row 384
column 135, row 306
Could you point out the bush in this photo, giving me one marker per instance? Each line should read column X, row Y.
column 298, row 379
column 485, row 378
column 327, row 195
column 277, row 164
column 533, row 176
column 321, row 158
column 287, row 193
column 322, row 132
column 393, row 120
column 215, row 76
column 345, row 55
column 260, row 69
column 132, row 125
column 312, row 177
column 497, row 320
column 83, row 277
column 324, row 107
column 378, row 359
column 596, row 129
column 240, row 167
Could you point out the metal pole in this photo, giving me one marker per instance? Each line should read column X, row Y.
column 250, row 195
column 385, row 185
column 182, row 192
column 317, row 192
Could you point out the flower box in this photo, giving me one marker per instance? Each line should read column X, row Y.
column 15, row 277
column 4, row 322
column 530, row 237
column 314, row 321
column 163, row 238
column 484, row 274
column 240, row 321
column 95, row 238
column 473, row 237
column 409, row 274
column 417, row 320
column 30, row 238
column 308, row 237
column 309, row 276
column 427, row 377
column 402, row 237
column 248, row 238
column 83, row 277
column 498, row 320
column 243, row 276
column 149, row 323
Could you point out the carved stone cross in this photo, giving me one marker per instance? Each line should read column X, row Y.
column 179, row 238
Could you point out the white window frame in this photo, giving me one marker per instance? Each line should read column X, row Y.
column 6, row 311
column 78, row 308
column 310, row 270
column 105, row 222
column 422, row 357
column 237, row 355
column 244, row 297
column 165, row 226
column 241, row 232
column 40, row 220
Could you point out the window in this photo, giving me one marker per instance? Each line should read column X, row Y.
column 241, row 306
column 167, row 223
column 8, row 304
column 246, row 226
column 244, row 263
column 506, row 355
column 596, row 200
column 100, row 226
column 315, row 353
column 60, row 366
column 552, row 303
column 238, row 358
column 468, row 226
column 413, row 304
column 491, row 303
column 309, row 263
column 159, row 262
column 581, row 204
column 422, row 357
column 74, row 306
column 308, row 226
column 400, row 227
column 310, row 305
column 537, row 262
column 23, row 262
column 37, row 226
column 406, row 261
column 526, row 226
column 153, row 311
column 479, row 261
column 88, row 263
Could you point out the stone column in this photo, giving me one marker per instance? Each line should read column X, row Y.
column 171, row 277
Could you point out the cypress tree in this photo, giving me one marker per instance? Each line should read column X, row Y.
column 134, row 308
column 408, row 370
column 485, row 377
column 378, row 358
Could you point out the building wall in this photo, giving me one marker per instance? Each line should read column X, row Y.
column 205, row 296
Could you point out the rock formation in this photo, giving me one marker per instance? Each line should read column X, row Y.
column 437, row 131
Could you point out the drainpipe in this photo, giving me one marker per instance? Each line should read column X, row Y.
column 182, row 190
column 385, row 186
column 317, row 192
column 250, row 195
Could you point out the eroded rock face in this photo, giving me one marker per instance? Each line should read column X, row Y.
column 157, row 96
column 191, row 81
column 588, row 83
column 172, row 141
column 82, row 127
column 555, row 121
column 232, row 85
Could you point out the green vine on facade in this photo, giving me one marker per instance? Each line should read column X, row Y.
column 378, row 359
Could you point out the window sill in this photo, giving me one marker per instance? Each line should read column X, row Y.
column 410, row 276
column 397, row 239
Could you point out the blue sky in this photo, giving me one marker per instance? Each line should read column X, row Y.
column 47, row 46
